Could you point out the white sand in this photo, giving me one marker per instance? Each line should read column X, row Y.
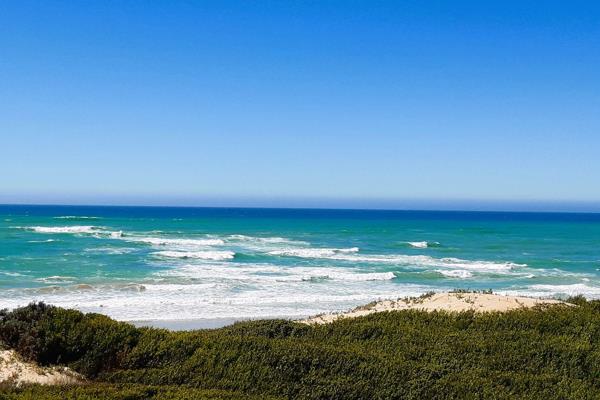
column 453, row 302
column 14, row 371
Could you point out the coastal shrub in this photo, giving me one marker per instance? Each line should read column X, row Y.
column 120, row 392
column 550, row 352
column 51, row 335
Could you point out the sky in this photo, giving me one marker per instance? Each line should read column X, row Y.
column 337, row 103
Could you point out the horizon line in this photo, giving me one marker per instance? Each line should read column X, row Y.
column 338, row 208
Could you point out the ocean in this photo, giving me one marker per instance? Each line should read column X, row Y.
column 173, row 263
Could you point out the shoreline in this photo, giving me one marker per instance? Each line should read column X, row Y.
column 457, row 301
column 193, row 324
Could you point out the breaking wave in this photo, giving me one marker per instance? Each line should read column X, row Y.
column 455, row 273
column 203, row 255
column 416, row 260
column 157, row 241
column 65, row 229
column 564, row 290
column 75, row 217
column 314, row 252
column 56, row 279
column 423, row 244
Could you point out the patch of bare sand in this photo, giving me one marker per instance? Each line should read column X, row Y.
column 15, row 371
column 453, row 302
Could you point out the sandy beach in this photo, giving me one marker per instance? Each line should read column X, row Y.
column 451, row 302
column 190, row 324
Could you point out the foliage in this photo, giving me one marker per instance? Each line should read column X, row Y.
column 119, row 392
column 546, row 352
column 51, row 335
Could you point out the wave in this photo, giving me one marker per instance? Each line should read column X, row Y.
column 157, row 241
column 203, row 255
column 455, row 273
column 95, row 231
column 313, row 252
column 266, row 275
column 56, row 279
column 423, row 244
column 419, row 245
column 75, row 217
column 568, row 290
column 104, row 289
column 41, row 241
column 150, row 301
column 337, row 275
column 268, row 240
column 110, row 250
column 10, row 273
column 65, row 229
column 413, row 260
column 451, row 262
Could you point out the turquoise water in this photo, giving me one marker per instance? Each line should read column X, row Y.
column 150, row 263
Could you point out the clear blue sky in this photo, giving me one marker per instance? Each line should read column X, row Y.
column 198, row 102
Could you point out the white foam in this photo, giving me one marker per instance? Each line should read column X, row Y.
column 351, row 276
column 75, row 217
column 413, row 260
column 419, row 245
column 183, row 302
column 41, row 241
column 110, row 250
column 313, row 252
column 9, row 273
column 569, row 290
column 477, row 265
column 203, row 255
column 56, row 279
column 95, row 231
column 455, row 273
column 268, row 240
column 65, row 229
column 265, row 274
column 555, row 291
column 175, row 242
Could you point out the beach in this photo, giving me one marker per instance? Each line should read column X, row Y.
column 168, row 265
column 444, row 302
column 480, row 302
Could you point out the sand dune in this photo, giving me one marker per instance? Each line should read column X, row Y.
column 17, row 372
column 456, row 302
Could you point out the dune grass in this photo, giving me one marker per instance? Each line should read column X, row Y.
column 546, row 352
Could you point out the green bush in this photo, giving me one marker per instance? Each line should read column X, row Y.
column 50, row 335
column 547, row 352
column 119, row 392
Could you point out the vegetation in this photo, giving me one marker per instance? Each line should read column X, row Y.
column 547, row 352
column 120, row 392
column 466, row 291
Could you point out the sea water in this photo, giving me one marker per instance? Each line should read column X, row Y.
column 167, row 263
